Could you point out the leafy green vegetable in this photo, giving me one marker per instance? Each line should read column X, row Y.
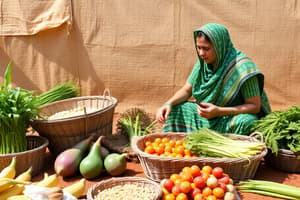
column 17, row 107
column 281, row 129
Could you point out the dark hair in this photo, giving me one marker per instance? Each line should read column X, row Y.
column 202, row 34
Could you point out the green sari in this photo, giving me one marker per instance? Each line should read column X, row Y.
column 223, row 86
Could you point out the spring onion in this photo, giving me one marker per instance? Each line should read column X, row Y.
column 208, row 143
column 58, row 92
column 269, row 188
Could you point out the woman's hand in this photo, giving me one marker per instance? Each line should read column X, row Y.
column 208, row 110
column 163, row 112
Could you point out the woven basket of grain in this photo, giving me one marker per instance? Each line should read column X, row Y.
column 123, row 188
column 157, row 168
column 33, row 157
column 68, row 121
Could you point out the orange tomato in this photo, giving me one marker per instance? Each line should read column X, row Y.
column 206, row 191
column 176, row 190
column 157, row 140
column 178, row 143
column 169, row 197
column 198, row 197
column 205, row 176
column 185, row 176
column 211, row 197
column 207, row 169
column 148, row 143
column 182, row 196
column 165, row 140
column 218, row 192
column 195, row 170
column 149, row 149
column 168, row 149
column 174, row 177
column 179, row 150
column 172, row 143
column 185, row 186
column 186, row 170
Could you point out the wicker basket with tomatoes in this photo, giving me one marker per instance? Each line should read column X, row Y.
column 163, row 154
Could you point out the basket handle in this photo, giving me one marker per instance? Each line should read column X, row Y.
column 133, row 143
column 106, row 93
column 259, row 134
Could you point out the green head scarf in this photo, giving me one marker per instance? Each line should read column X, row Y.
column 220, row 84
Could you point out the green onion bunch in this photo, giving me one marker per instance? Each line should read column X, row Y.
column 269, row 188
column 208, row 143
column 17, row 107
column 59, row 92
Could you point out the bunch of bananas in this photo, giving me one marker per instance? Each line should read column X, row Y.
column 12, row 186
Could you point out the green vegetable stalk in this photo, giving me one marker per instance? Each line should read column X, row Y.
column 17, row 107
column 59, row 92
column 269, row 188
column 209, row 143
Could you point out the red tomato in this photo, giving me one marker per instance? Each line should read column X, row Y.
column 224, row 179
column 194, row 192
column 222, row 185
column 217, row 172
column 176, row 190
column 167, row 184
column 199, row 182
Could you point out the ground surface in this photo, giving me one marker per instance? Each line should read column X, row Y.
column 264, row 172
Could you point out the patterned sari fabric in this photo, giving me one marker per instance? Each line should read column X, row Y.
column 220, row 85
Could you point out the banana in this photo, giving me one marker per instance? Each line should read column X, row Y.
column 49, row 181
column 19, row 197
column 25, row 176
column 6, row 183
column 17, row 189
column 10, row 170
column 76, row 189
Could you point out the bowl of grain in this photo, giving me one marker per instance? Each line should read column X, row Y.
column 65, row 123
column 125, row 188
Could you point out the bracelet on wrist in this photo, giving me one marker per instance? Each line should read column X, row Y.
column 167, row 104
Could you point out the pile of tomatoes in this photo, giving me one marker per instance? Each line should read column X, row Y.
column 195, row 183
column 167, row 147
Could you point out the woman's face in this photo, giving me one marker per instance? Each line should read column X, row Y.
column 205, row 50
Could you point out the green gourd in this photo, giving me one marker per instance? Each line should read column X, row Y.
column 91, row 166
column 115, row 164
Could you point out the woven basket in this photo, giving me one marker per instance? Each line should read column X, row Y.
column 157, row 168
column 34, row 156
column 285, row 160
column 139, row 181
column 66, row 132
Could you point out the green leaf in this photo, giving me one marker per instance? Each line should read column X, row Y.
column 7, row 75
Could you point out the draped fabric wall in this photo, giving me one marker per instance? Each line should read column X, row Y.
column 142, row 50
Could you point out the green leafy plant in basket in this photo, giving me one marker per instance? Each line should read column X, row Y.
column 281, row 129
column 136, row 122
column 17, row 107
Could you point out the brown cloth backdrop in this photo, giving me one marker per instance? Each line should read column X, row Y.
column 142, row 50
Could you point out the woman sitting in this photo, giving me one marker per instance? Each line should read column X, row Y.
column 226, row 86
